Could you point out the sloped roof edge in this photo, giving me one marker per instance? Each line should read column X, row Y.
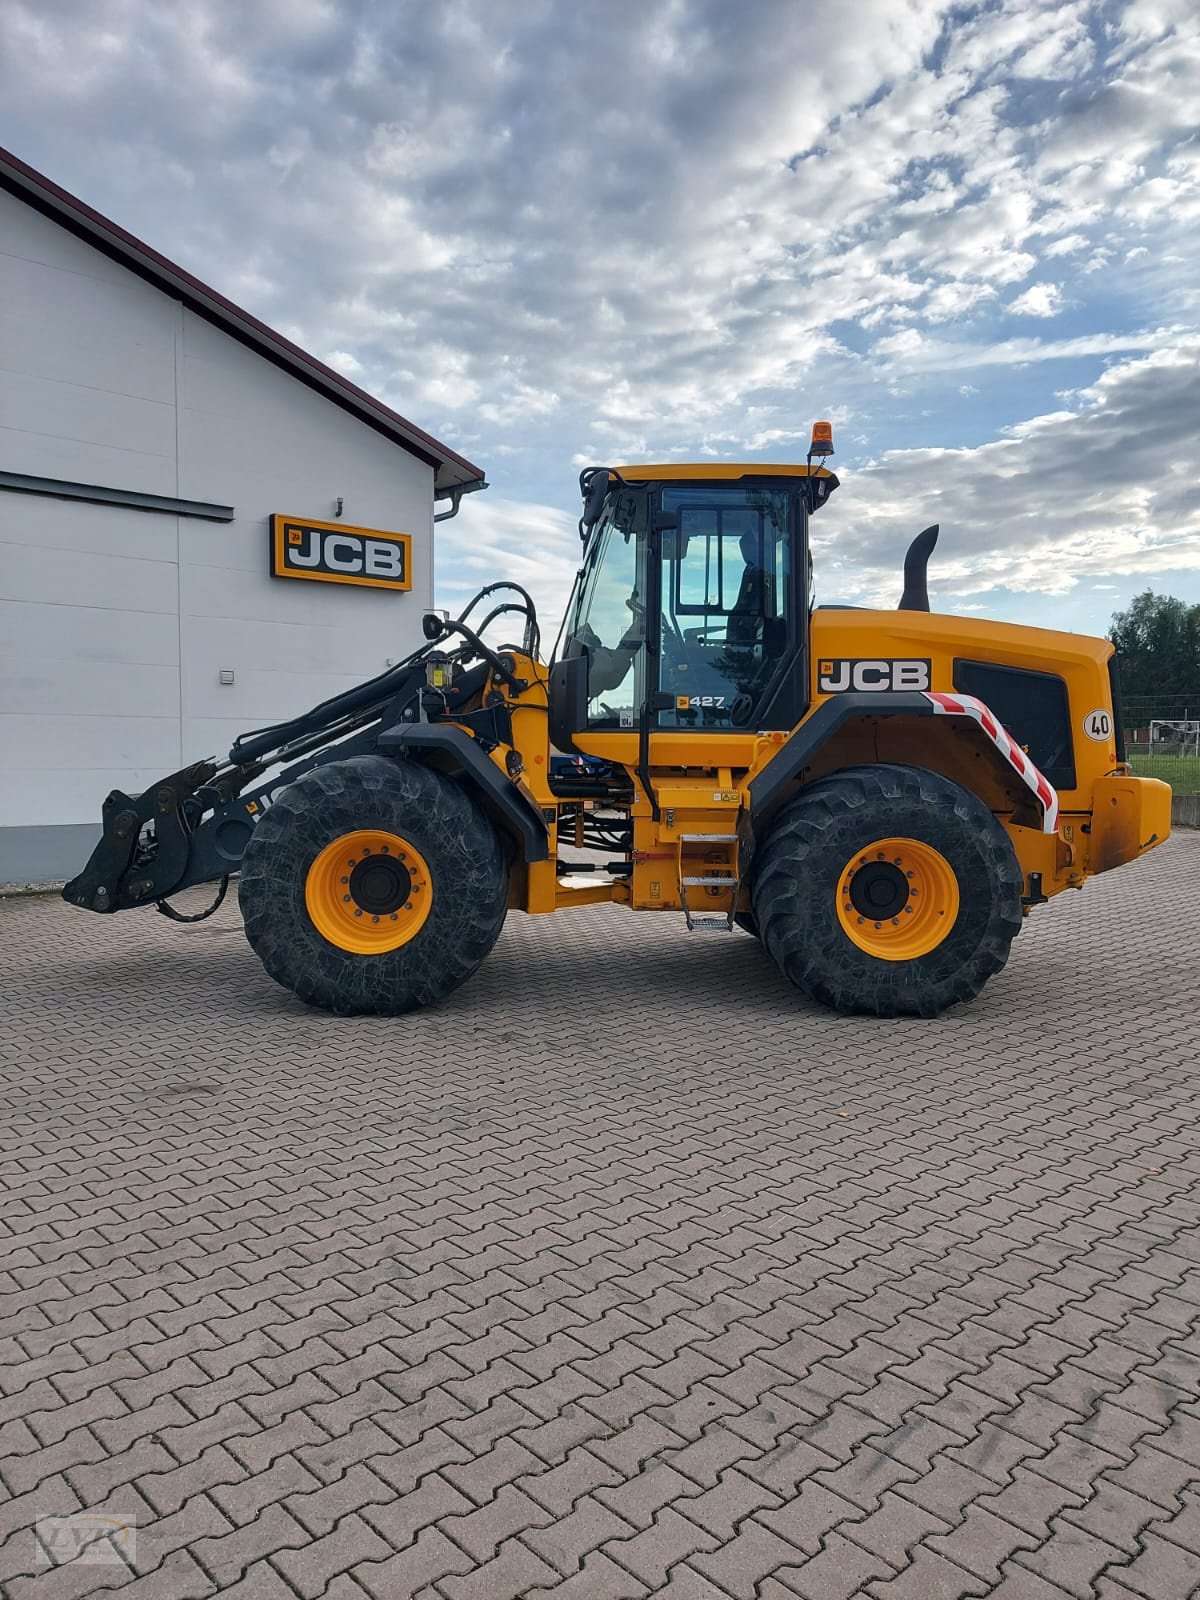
column 451, row 470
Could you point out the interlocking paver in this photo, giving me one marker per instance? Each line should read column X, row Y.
column 508, row 1575
column 809, row 1516
column 894, row 1529
column 1072, row 1558
column 754, row 1554
column 310, row 1568
column 228, row 1555
column 430, row 1557
column 602, row 1579
column 460, row 1304
column 560, row 1487
column 839, row 1571
column 929, row 1577
column 401, row 1517
column 651, row 1554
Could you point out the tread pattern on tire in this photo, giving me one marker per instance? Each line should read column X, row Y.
column 806, row 850
column 466, row 861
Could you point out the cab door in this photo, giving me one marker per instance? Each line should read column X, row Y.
column 732, row 620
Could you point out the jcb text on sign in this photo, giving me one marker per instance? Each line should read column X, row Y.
column 332, row 552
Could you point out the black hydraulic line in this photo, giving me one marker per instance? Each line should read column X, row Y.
column 169, row 910
column 500, row 611
column 486, row 652
column 375, row 691
column 491, row 588
column 533, row 632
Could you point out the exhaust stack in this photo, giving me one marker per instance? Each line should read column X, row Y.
column 916, row 563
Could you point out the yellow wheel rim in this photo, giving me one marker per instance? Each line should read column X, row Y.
column 369, row 891
column 897, row 899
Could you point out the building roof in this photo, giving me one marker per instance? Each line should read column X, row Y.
column 452, row 472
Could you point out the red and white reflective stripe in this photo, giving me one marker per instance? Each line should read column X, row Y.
column 966, row 705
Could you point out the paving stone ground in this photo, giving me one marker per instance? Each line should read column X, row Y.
column 625, row 1272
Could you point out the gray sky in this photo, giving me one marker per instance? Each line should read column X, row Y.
column 603, row 231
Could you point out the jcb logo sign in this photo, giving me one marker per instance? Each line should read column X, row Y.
column 835, row 677
column 331, row 552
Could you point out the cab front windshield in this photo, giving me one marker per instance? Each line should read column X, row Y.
column 723, row 587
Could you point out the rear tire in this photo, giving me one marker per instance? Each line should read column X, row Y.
column 907, row 929
column 373, row 885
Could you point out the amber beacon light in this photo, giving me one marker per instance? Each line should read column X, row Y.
column 822, row 439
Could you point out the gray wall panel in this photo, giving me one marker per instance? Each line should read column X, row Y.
column 85, row 634
column 44, row 684
column 43, row 522
column 29, row 237
column 69, row 795
column 83, row 578
column 90, row 354
column 82, row 461
column 83, row 415
column 70, row 743
column 40, row 854
column 316, row 647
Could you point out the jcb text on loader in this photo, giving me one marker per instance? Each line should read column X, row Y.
column 878, row 796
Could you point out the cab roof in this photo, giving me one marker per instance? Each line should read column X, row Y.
column 733, row 472
column 728, row 471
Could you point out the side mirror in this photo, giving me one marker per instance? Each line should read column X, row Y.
column 433, row 625
column 593, row 485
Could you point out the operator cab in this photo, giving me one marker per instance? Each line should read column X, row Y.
column 691, row 609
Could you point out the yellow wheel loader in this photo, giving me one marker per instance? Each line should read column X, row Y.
column 879, row 797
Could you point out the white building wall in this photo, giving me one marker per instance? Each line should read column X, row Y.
column 115, row 624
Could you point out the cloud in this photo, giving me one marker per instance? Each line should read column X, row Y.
column 554, row 234
column 1104, row 489
column 1039, row 300
column 492, row 538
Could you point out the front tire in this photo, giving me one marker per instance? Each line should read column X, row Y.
column 373, row 885
column 887, row 890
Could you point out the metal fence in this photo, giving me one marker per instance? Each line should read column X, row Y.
column 1162, row 740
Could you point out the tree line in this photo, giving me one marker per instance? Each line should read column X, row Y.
column 1158, row 640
